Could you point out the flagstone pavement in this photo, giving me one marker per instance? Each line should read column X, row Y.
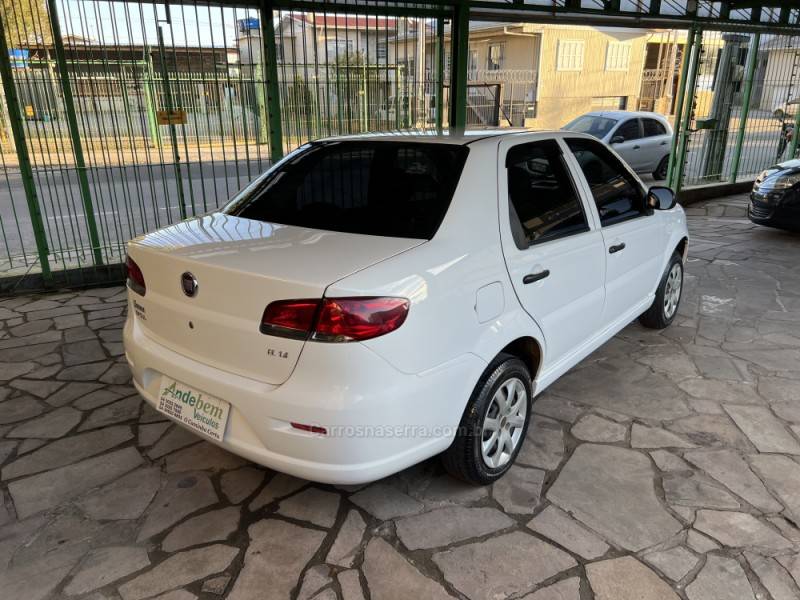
column 664, row 466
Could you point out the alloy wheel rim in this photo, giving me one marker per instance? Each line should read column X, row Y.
column 672, row 291
column 503, row 423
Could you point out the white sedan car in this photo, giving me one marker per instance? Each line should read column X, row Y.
column 373, row 301
column 643, row 139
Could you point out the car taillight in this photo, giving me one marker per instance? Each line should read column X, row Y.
column 135, row 277
column 290, row 318
column 334, row 319
column 355, row 319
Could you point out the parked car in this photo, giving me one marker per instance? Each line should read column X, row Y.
column 775, row 199
column 643, row 139
column 373, row 301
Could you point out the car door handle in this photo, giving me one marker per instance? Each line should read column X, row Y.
column 535, row 276
column 663, row 143
column 616, row 248
column 636, row 147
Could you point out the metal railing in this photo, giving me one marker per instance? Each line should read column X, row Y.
column 117, row 118
column 738, row 107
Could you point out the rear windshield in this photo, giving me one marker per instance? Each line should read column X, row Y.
column 593, row 125
column 395, row 189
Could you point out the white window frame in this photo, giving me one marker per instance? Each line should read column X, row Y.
column 570, row 55
column 381, row 51
column 501, row 46
column 618, row 56
column 336, row 47
column 472, row 64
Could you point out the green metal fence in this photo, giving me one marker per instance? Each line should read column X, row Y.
column 738, row 106
column 121, row 117
column 117, row 118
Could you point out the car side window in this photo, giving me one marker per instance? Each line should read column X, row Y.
column 653, row 128
column 543, row 202
column 629, row 130
column 616, row 193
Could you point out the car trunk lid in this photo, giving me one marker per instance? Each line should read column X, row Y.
column 240, row 266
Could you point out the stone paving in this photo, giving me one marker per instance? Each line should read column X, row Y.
column 664, row 466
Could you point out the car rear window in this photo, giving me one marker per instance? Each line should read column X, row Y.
column 386, row 188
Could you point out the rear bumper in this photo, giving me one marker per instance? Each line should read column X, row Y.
column 379, row 420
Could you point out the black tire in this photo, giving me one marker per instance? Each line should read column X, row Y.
column 661, row 170
column 658, row 315
column 464, row 458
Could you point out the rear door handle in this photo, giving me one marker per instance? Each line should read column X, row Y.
column 535, row 276
column 663, row 143
column 636, row 147
column 616, row 248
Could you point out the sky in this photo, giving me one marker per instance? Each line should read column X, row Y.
column 200, row 25
column 136, row 23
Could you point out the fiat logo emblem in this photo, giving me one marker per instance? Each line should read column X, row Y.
column 189, row 284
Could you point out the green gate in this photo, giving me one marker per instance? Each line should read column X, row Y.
column 122, row 117
column 741, row 102
column 119, row 117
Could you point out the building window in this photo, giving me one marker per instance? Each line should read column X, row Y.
column 570, row 55
column 337, row 48
column 472, row 65
column 281, row 47
column 495, row 57
column 618, row 56
column 609, row 103
column 381, row 50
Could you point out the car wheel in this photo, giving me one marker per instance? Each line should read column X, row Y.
column 494, row 424
column 668, row 296
column 661, row 170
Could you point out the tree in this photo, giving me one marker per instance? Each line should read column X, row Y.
column 350, row 59
column 26, row 23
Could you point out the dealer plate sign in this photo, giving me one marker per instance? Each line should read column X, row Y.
column 205, row 414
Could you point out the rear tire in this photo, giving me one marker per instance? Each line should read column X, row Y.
column 668, row 296
column 661, row 170
column 494, row 424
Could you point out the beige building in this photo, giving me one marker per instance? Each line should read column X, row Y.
column 312, row 38
column 547, row 74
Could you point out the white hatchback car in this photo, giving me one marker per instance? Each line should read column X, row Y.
column 373, row 301
column 643, row 139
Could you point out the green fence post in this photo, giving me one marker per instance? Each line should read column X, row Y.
column 793, row 144
column 270, row 63
column 262, row 126
column 440, row 72
column 459, row 48
column 750, row 69
column 74, row 132
column 679, row 104
column 173, row 132
column 25, row 169
column 688, row 109
column 148, row 77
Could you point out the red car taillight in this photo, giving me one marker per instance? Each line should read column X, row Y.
column 135, row 277
column 289, row 318
column 354, row 319
column 334, row 319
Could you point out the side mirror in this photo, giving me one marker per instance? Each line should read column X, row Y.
column 660, row 198
column 617, row 139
